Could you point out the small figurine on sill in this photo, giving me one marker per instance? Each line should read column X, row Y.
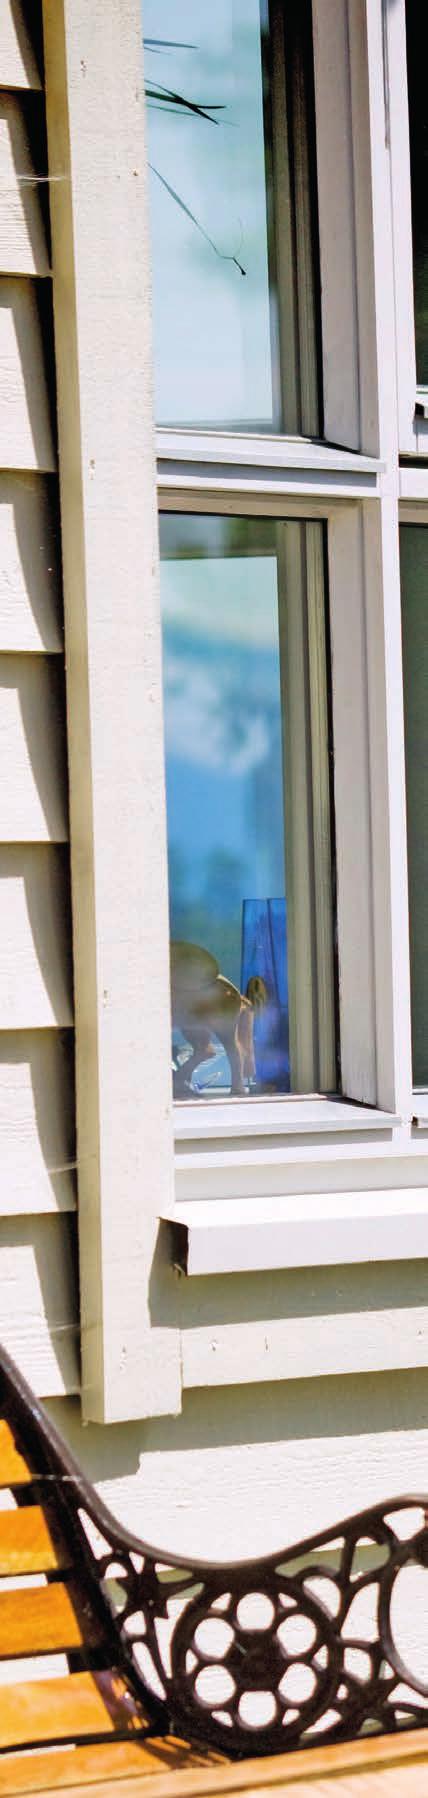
column 205, row 1005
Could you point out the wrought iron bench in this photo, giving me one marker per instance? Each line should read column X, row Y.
column 172, row 1666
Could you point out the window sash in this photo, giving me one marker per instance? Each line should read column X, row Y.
column 303, row 653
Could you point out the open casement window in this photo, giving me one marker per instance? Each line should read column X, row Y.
column 247, row 761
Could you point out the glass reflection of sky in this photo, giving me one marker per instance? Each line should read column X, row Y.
column 212, row 323
column 223, row 733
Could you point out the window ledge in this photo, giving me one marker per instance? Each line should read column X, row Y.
column 263, row 464
column 420, row 1110
column 277, row 1117
column 220, row 1236
column 274, row 451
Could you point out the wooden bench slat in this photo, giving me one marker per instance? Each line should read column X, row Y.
column 382, row 1767
column 52, row 1769
column 26, row 1545
column 42, row 1620
column 80, row 1704
column 13, row 1469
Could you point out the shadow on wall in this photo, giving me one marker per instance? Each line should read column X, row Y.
column 247, row 1470
column 27, row 21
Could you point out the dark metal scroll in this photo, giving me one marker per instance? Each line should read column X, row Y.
column 266, row 1655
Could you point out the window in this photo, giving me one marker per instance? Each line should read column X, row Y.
column 231, row 151
column 418, row 121
column 245, row 629
column 414, row 567
column 304, row 1179
column 247, row 759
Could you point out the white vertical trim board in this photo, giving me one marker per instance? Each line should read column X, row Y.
column 352, row 807
column 402, row 225
column 336, row 222
column 112, row 621
column 388, row 802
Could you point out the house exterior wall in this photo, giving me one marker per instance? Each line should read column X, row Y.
column 305, row 1391
column 38, row 1302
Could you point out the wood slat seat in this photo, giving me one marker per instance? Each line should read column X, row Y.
column 140, row 1640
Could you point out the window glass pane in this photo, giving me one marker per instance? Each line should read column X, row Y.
column 230, row 806
column 414, row 571
column 229, row 121
column 416, row 18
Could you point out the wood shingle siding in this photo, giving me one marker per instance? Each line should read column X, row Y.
column 30, row 590
column 18, row 58
column 38, row 1259
column 36, row 1122
column 26, row 434
column 38, row 1300
column 23, row 238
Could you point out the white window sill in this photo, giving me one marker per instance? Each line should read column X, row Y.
column 311, row 1115
column 272, row 451
column 262, row 464
column 220, row 1236
column 420, row 1110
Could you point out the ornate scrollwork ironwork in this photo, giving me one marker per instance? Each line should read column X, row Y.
column 254, row 1658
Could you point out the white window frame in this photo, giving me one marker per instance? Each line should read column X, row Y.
column 412, row 399
column 138, row 1347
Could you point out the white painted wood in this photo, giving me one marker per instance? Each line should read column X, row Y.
column 124, row 1101
column 382, row 240
column 388, row 807
column 402, row 225
column 180, row 483
column 18, row 66
column 37, row 1148
column 352, row 808
column 226, row 447
column 224, row 1170
column 35, row 978
column 242, row 1472
column 413, row 485
column 26, row 439
column 23, row 246
column 30, row 581
column 33, row 792
column 336, row 223
column 297, row 789
column 48, row 1359
column 239, row 1236
column 306, row 1348
column 363, row 225
column 276, row 1117
column 38, row 1300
